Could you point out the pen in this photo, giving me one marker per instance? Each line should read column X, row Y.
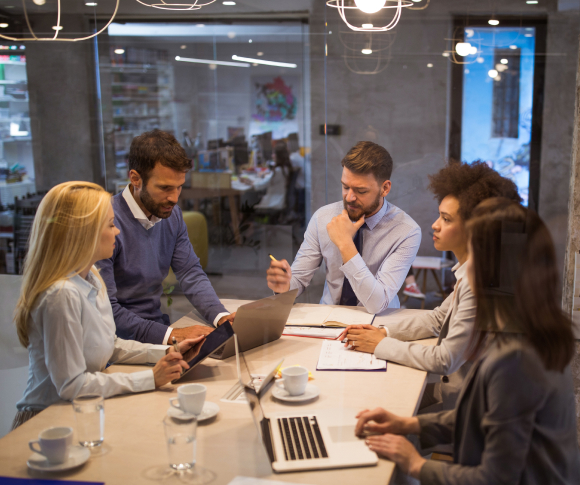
column 274, row 259
column 175, row 346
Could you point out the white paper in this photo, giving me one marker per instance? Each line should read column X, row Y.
column 335, row 356
column 308, row 315
column 348, row 316
column 315, row 332
column 255, row 481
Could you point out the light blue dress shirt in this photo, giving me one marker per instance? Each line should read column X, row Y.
column 390, row 243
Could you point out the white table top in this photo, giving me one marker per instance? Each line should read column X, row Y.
column 227, row 445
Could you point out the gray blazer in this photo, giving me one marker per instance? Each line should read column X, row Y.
column 452, row 322
column 515, row 423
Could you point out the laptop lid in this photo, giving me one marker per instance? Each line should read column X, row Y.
column 214, row 341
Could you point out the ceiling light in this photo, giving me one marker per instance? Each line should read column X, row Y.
column 367, row 26
column 445, row 54
column 250, row 41
column 231, row 35
column 493, row 22
column 513, row 47
column 211, row 62
column 163, row 5
column 492, row 73
column 466, row 71
column 528, row 35
column 3, row 26
column 39, row 2
column 57, row 27
column 480, row 60
column 260, row 54
column 463, row 48
column 91, row 4
column 504, row 61
column 500, row 67
column 469, row 32
column 367, row 51
column 370, row 6
column 213, row 67
column 473, row 50
column 200, row 25
column 119, row 51
column 261, row 61
column 416, row 1
column 532, row 2
column 229, row 3
column 183, row 47
column 429, row 65
column 255, row 65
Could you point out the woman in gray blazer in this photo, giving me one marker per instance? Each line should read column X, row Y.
column 515, row 419
column 459, row 188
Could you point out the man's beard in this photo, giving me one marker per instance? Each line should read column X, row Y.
column 152, row 206
column 366, row 211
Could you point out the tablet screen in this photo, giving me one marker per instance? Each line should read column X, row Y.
column 213, row 342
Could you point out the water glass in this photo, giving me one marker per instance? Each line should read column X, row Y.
column 90, row 419
column 180, row 436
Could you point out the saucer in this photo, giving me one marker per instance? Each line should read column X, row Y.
column 310, row 392
column 77, row 456
column 209, row 410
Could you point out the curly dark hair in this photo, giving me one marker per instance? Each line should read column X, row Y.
column 470, row 183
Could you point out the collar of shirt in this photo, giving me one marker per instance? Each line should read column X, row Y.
column 137, row 211
column 89, row 287
column 459, row 270
column 372, row 221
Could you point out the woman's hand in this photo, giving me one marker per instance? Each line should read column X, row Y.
column 399, row 450
column 381, row 421
column 363, row 338
column 169, row 367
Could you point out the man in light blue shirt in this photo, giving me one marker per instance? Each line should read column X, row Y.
column 367, row 244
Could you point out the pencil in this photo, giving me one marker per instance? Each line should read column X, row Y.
column 274, row 259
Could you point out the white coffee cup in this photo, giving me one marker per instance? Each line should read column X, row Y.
column 294, row 380
column 190, row 398
column 54, row 444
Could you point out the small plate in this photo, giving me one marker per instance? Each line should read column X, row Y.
column 209, row 410
column 311, row 392
column 77, row 456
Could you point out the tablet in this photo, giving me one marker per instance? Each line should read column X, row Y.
column 214, row 341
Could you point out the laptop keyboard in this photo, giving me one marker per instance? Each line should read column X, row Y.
column 301, row 438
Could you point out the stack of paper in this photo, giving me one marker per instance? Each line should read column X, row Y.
column 335, row 356
column 313, row 332
column 327, row 316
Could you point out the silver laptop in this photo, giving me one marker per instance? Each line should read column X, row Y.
column 299, row 441
column 259, row 323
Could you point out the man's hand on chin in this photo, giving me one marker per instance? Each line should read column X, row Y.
column 190, row 332
column 341, row 231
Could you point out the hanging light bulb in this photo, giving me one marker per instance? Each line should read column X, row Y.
column 463, row 49
column 370, row 6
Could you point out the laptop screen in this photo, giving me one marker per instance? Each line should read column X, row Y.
column 251, row 395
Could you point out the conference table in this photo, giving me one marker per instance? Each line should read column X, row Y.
column 134, row 450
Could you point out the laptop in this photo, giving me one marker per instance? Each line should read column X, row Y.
column 214, row 341
column 302, row 440
column 259, row 322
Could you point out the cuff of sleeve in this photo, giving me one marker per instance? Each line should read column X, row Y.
column 382, row 349
column 167, row 334
column 432, row 472
column 353, row 266
column 156, row 352
column 143, row 381
column 217, row 318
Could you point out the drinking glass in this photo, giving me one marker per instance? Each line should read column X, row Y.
column 90, row 419
column 180, row 436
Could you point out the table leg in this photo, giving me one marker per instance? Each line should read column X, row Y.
column 235, row 218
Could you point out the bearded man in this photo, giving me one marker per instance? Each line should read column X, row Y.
column 366, row 243
column 154, row 238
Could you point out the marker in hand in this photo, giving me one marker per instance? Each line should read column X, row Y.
column 274, row 259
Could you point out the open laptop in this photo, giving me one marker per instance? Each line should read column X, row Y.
column 259, row 322
column 301, row 440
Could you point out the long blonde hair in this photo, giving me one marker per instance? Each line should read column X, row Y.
column 63, row 240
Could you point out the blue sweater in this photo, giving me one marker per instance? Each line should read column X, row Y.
column 140, row 262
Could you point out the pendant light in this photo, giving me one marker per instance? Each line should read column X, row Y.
column 370, row 7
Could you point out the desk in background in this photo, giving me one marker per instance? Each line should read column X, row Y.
column 228, row 445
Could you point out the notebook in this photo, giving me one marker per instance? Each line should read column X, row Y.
column 327, row 316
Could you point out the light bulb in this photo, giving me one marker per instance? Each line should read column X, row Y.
column 119, row 51
column 463, row 48
column 370, row 6
column 3, row 25
column 473, row 50
column 39, row 2
column 513, row 47
column 504, row 61
column 367, row 51
column 367, row 26
column 57, row 27
column 493, row 22
column 492, row 73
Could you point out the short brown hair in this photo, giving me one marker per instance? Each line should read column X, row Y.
column 516, row 281
column 471, row 183
column 368, row 157
column 156, row 146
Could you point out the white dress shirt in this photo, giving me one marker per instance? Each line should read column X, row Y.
column 72, row 339
column 148, row 224
column 453, row 322
column 390, row 242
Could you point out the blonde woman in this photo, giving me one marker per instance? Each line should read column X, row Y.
column 64, row 316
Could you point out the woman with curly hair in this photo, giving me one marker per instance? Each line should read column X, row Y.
column 459, row 188
column 515, row 419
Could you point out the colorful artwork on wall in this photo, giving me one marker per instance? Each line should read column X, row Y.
column 275, row 99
